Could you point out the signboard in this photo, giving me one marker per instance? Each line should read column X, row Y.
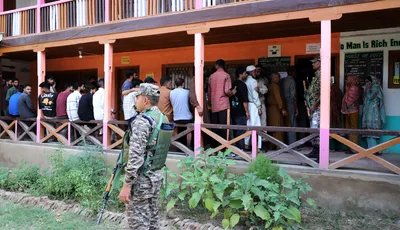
column 150, row 75
column 364, row 64
column 274, row 51
column 125, row 60
column 367, row 44
column 274, row 64
column 313, row 48
column 396, row 80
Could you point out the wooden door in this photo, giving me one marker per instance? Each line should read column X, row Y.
column 394, row 69
column 120, row 79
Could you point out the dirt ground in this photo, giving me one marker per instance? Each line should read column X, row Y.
column 317, row 219
column 314, row 219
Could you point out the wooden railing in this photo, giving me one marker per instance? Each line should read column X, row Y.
column 18, row 22
column 65, row 14
column 80, row 133
column 122, row 9
column 209, row 3
column 71, row 13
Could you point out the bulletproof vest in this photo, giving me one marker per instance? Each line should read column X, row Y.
column 162, row 133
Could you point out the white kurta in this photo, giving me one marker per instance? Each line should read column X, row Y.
column 254, row 104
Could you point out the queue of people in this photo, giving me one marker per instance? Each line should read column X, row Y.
column 252, row 100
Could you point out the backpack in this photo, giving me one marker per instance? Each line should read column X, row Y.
column 163, row 132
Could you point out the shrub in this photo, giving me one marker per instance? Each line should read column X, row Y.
column 250, row 198
column 264, row 169
column 82, row 177
column 77, row 177
column 20, row 179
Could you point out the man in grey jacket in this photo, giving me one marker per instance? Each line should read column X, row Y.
column 289, row 90
column 25, row 105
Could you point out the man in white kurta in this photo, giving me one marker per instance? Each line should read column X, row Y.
column 262, row 91
column 254, row 103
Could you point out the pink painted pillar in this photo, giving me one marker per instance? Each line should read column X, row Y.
column 38, row 18
column 199, row 4
column 254, row 146
column 69, row 133
column 41, row 72
column 16, row 130
column 108, row 71
column 107, row 11
column 199, row 66
column 2, row 5
column 325, row 92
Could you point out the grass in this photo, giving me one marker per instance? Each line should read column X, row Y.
column 16, row 216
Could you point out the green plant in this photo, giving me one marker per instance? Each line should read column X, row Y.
column 265, row 169
column 20, row 179
column 250, row 198
column 77, row 177
column 80, row 177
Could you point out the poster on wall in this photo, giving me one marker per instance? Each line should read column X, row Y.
column 364, row 64
column 274, row 64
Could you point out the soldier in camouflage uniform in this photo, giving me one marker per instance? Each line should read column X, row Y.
column 140, row 192
column 314, row 93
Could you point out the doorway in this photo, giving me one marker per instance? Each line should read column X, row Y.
column 70, row 77
column 305, row 73
column 120, row 78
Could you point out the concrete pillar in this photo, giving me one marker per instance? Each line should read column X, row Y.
column 199, row 4
column 107, row 11
column 108, row 72
column 1, row 5
column 199, row 67
column 325, row 92
column 38, row 18
column 41, row 73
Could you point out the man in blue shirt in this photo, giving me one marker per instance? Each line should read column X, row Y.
column 128, row 85
column 13, row 103
column 180, row 103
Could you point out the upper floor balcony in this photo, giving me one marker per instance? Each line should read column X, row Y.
column 24, row 17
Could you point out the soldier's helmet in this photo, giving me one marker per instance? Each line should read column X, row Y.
column 147, row 89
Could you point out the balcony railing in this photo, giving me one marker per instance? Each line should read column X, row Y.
column 71, row 13
column 66, row 14
column 18, row 22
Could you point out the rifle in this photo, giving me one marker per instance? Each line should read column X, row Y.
column 307, row 99
column 114, row 177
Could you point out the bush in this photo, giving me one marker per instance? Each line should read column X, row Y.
column 21, row 179
column 264, row 169
column 82, row 177
column 269, row 200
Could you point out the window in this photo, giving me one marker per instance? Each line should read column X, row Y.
column 175, row 71
column 186, row 70
column 394, row 69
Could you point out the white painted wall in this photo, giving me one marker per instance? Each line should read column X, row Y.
column 22, row 70
column 25, row 3
column 391, row 95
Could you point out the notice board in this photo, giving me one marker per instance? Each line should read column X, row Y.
column 274, row 64
column 364, row 64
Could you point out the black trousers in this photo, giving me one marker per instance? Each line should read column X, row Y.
column 220, row 118
column 183, row 139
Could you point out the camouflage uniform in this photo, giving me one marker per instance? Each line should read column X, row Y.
column 314, row 95
column 142, row 209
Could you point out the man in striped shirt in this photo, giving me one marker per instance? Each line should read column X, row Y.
column 219, row 91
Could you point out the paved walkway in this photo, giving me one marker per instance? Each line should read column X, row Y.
column 361, row 164
column 364, row 164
